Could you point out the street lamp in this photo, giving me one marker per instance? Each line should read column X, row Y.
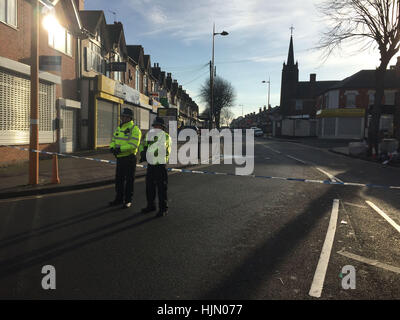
column 223, row 33
column 269, row 89
column 34, row 112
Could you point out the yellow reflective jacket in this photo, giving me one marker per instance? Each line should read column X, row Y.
column 168, row 144
column 127, row 137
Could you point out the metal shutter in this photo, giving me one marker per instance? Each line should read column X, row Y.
column 350, row 127
column 15, row 110
column 329, row 127
column 107, row 122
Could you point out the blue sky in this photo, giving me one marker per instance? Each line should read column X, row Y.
column 178, row 35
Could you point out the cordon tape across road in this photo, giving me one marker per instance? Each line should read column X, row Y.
column 327, row 182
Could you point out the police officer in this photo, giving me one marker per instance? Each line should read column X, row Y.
column 124, row 145
column 159, row 146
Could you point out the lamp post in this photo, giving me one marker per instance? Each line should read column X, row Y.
column 269, row 89
column 34, row 112
column 223, row 33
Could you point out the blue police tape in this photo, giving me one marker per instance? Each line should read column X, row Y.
column 327, row 182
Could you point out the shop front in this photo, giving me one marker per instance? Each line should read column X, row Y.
column 141, row 114
column 341, row 123
column 107, row 108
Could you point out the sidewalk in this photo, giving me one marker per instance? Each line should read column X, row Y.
column 74, row 174
column 340, row 147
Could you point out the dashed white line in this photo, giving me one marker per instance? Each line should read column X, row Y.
column 273, row 150
column 371, row 262
column 384, row 215
column 299, row 160
column 320, row 272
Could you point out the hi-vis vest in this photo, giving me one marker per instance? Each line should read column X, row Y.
column 156, row 144
column 127, row 137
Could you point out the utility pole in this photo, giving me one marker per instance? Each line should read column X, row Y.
column 212, row 79
column 34, row 112
column 211, row 95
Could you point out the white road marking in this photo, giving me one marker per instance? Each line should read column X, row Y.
column 273, row 150
column 320, row 272
column 299, row 160
column 384, row 215
column 330, row 176
column 371, row 262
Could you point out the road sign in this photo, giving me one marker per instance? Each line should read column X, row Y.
column 116, row 66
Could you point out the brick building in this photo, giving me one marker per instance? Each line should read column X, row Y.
column 58, row 92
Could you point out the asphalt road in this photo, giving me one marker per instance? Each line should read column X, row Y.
column 225, row 237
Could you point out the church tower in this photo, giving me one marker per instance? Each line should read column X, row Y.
column 290, row 79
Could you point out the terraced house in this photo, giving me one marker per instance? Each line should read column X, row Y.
column 88, row 73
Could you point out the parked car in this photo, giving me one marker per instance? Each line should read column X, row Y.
column 258, row 133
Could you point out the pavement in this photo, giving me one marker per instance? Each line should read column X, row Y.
column 225, row 238
column 338, row 146
column 74, row 174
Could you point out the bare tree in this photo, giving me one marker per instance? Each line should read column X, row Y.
column 224, row 96
column 364, row 22
column 226, row 117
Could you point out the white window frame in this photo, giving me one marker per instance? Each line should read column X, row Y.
column 68, row 44
column 351, row 93
column 6, row 19
column 137, row 79
column 117, row 74
column 393, row 97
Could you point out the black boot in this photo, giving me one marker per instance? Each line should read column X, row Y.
column 162, row 213
column 127, row 205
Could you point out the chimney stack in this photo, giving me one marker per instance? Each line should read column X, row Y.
column 313, row 77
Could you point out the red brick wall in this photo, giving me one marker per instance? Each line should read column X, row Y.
column 18, row 48
column 10, row 156
column 16, row 45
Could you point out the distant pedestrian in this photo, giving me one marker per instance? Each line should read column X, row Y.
column 125, row 145
column 157, row 174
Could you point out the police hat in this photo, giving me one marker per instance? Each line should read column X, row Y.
column 159, row 121
column 127, row 112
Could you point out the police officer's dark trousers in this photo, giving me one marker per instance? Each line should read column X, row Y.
column 157, row 181
column 125, row 178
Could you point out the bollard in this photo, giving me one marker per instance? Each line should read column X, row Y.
column 55, row 178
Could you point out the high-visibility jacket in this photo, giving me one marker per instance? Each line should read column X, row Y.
column 127, row 137
column 156, row 143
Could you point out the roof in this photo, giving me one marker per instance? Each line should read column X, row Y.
column 366, row 79
column 305, row 89
column 134, row 51
column 114, row 32
column 91, row 19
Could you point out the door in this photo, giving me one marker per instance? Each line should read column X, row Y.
column 68, row 134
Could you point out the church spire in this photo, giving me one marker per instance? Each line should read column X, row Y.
column 290, row 61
